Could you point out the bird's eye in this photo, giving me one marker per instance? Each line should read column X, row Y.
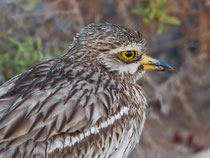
column 128, row 55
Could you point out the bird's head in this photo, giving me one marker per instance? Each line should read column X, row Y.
column 119, row 50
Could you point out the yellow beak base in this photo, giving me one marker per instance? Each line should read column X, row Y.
column 154, row 64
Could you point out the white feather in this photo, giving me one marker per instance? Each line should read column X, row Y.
column 71, row 140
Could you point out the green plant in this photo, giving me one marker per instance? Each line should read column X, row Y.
column 30, row 5
column 156, row 10
column 17, row 56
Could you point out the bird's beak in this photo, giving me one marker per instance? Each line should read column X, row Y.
column 154, row 64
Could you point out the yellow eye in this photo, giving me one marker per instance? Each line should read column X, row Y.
column 128, row 55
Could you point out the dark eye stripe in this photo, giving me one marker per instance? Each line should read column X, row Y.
column 134, row 52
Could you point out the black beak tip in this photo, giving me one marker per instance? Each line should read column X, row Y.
column 169, row 68
column 166, row 67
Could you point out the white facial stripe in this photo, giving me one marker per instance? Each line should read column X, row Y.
column 71, row 140
column 129, row 68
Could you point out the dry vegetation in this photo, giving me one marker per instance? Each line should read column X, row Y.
column 178, row 123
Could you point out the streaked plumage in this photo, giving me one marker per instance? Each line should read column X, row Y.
column 85, row 103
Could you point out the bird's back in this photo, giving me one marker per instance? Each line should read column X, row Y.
column 57, row 109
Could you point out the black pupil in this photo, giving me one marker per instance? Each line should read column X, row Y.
column 129, row 54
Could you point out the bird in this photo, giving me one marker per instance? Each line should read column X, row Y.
column 85, row 103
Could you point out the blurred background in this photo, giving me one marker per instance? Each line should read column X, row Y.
column 178, row 31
